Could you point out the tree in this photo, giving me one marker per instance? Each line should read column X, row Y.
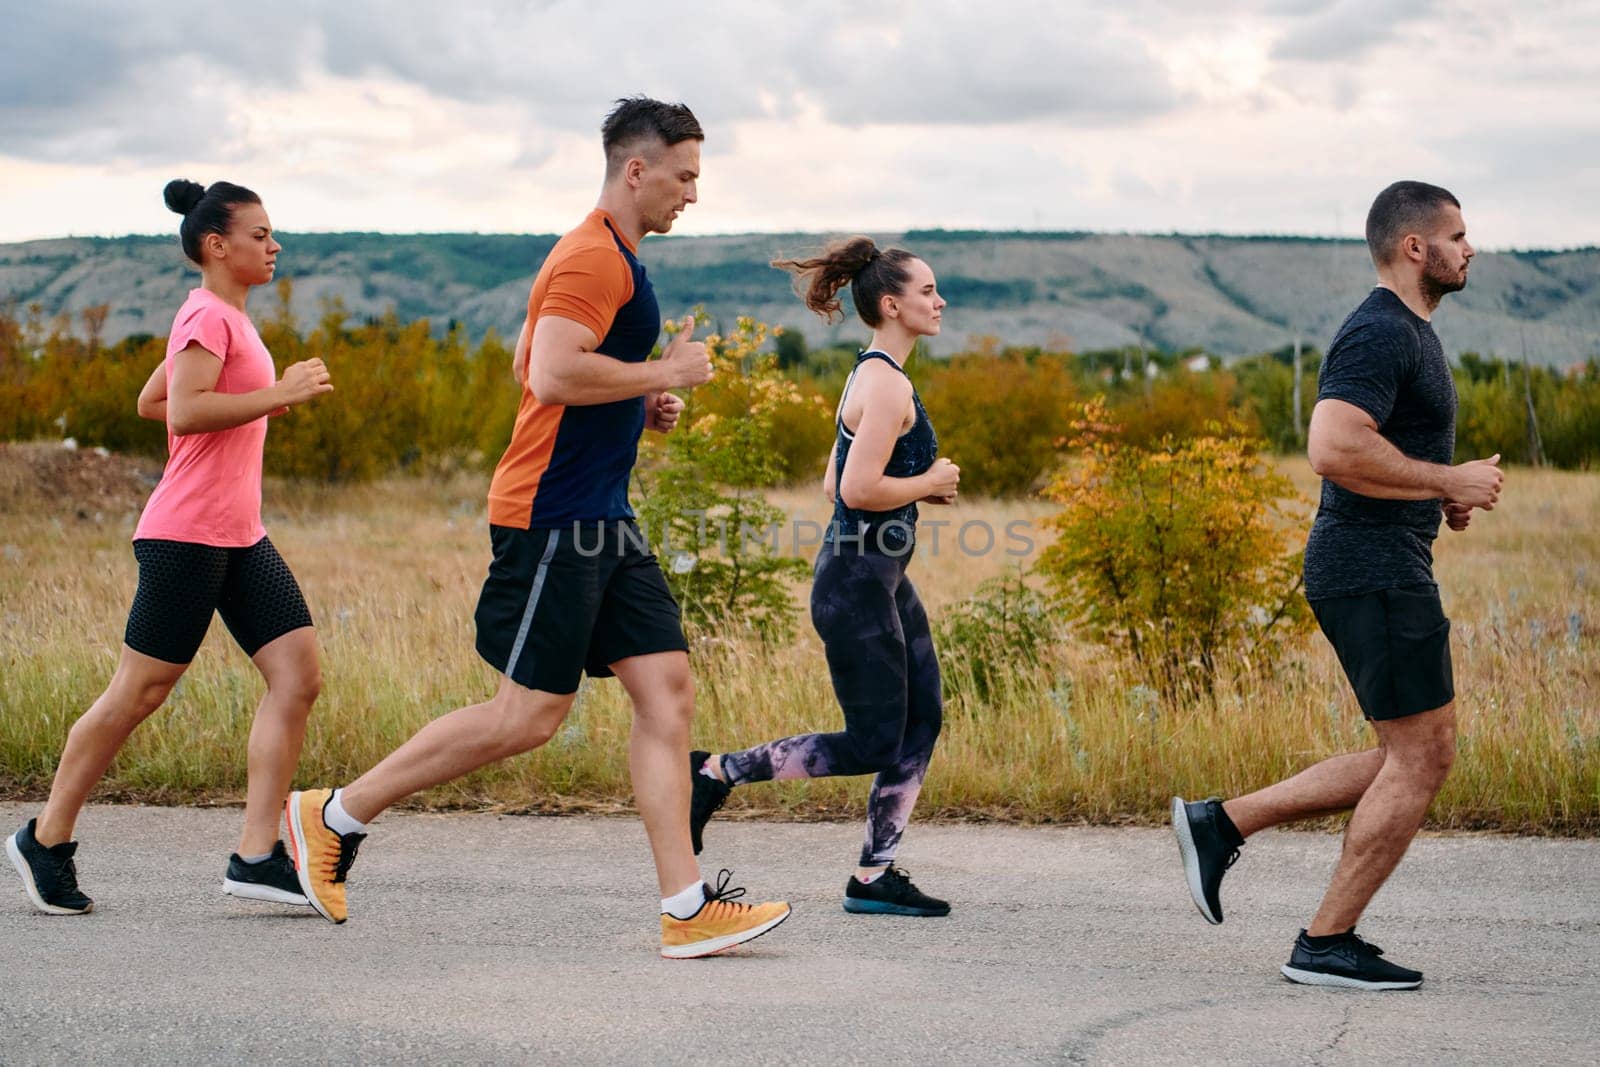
column 701, row 499
column 1180, row 553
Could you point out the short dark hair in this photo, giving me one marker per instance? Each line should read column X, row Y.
column 1404, row 207
column 638, row 118
column 204, row 210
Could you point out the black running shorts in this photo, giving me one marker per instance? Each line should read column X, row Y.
column 181, row 584
column 560, row 602
column 1394, row 646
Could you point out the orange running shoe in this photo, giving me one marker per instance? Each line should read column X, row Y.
column 322, row 858
column 720, row 923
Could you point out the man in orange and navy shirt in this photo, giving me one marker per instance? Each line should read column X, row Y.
column 569, row 464
column 573, row 585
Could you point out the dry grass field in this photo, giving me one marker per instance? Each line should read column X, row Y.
column 391, row 571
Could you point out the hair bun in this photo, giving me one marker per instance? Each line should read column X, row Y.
column 182, row 195
column 858, row 252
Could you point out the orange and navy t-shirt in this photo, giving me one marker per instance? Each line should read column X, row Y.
column 572, row 464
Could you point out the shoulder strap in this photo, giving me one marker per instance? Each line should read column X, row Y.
column 838, row 415
column 875, row 354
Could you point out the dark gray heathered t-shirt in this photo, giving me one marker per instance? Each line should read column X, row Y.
column 1389, row 363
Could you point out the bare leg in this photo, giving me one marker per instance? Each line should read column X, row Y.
column 515, row 720
column 1418, row 752
column 662, row 689
column 137, row 688
column 294, row 678
column 1334, row 785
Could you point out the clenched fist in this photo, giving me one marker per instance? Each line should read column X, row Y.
column 303, row 381
column 661, row 411
column 943, row 478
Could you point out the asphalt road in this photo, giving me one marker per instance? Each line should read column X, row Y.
column 483, row 938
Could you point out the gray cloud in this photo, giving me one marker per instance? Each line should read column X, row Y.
column 988, row 101
column 1536, row 154
column 1346, row 30
column 958, row 63
column 145, row 80
column 83, row 82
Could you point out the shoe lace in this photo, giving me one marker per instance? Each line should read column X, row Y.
column 349, row 845
column 722, row 894
column 1363, row 945
column 67, row 875
column 892, row 873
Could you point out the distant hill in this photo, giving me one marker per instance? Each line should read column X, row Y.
column 1230, row 296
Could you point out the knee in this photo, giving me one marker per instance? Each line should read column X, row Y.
column 671, row 705
column 930, row 725
column 528, row 733
column 876, row 753
column 148, row 697
column 678, row 692
column 522, row 728
column 1430, row 758
column 1440, row 757
column 301, row 689
column 130, row 704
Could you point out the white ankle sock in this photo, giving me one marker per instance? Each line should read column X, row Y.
column 256, row 859
column 873, row 877
column 686, row 904
column 340, row 821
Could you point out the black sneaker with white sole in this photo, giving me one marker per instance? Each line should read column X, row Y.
column 706, row 795
column 272, row 880
column 891, row 893
column 1209, row 846
column 49, row 875
column 1348, row 962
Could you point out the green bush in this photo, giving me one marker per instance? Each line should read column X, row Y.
column 700, row 495
column 1183, row 554
column 1005, row 628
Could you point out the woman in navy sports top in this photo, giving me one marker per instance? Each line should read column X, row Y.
column 879, row 648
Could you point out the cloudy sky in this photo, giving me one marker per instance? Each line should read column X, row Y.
column 1280, row 116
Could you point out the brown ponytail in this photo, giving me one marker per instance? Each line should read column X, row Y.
column 857, row 262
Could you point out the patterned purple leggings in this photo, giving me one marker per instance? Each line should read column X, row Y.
column 886, row 677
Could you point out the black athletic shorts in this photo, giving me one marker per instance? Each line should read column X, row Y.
column 1394, row 646
column 559, row 602
column 181, row 584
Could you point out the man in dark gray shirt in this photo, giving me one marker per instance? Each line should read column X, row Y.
column 1382, row 437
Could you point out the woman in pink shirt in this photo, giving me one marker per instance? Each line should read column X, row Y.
column 201, row 549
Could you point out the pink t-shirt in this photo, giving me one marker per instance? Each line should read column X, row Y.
column 210, row 493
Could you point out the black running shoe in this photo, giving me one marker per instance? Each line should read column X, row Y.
column 1207, row 852
column 708, row 795
column 48, row 874
column 1349, row 963
column 891, row 893
column 273, row 879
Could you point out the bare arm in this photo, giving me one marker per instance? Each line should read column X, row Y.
column 830, row 488
column 153, row 397
column 519, row 355
column 1345, row 447
column 194, row 405
column 885, row 398
column 564, row 368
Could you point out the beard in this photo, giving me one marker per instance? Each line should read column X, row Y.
column 1438, row 278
